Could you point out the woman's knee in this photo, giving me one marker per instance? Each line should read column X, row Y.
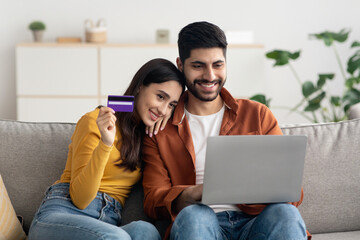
column 58, row 226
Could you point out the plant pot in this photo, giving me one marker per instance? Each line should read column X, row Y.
column 354, row 111
column 38, row 35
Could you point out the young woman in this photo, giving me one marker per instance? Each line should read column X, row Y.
column 104, row 163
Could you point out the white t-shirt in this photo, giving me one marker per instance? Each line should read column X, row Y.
column 201, row 128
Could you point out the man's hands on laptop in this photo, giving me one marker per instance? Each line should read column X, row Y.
column 189, row 196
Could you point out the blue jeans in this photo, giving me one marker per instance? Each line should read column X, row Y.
column 58, row 218
column 276, row 221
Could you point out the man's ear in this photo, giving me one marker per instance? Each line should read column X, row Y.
column 179, row 64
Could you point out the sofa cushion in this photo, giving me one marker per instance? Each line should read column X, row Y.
column 10, row 227
column 332, row 176
column 354, row 235
column 32, row 157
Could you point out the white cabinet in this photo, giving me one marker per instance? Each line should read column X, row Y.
column 57, row 71
column 61, row 82
column 54, row 109
column 119, row 64
column 55, row 83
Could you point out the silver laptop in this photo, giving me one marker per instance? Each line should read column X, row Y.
column 253, row 169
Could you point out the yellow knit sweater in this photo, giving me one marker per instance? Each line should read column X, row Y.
column 91, row 168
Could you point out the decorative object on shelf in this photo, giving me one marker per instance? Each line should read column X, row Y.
column 95, row 34
column 162, row 36
column 38, row 28
column 317, row 101
column 68, row 39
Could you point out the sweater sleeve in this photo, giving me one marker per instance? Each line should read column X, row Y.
column 89, row 158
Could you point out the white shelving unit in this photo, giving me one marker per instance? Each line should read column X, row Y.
column 61, row 82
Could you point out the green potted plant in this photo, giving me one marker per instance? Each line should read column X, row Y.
column 38, row 28
column 317, row 103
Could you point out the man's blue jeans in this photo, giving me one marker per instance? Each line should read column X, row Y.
column 276, row 221
column 58, row 218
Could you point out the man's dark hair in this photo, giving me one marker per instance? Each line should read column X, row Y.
column 200, row 35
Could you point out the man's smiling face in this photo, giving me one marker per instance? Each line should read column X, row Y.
column 205, row 72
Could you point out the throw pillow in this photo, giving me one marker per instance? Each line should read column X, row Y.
column 10, row 227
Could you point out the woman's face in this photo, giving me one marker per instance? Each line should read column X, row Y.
column 157, row 100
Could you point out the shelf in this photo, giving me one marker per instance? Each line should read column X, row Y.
column 116, row 45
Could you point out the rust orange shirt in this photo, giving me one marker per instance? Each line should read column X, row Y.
column 170, row 158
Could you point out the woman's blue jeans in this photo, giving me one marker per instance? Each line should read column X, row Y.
column 276, row 221
column 58, row 218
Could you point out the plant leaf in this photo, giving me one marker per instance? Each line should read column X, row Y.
column 318, row 98
column 261, row 98
column 325, row 36
column 342, row 36
column 335, row 100
column 282, row 57
column 37, row 25
column 351, row 81
column 330, row 37
column 354, row 63
column 294, row 55
column 351, row 97
column 308, row 88
column 355, row 44
column 312, row 107
column 322, row 79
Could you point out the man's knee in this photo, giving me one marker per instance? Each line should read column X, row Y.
column 285, row 216
column 282, row 211
column 141, row 230
column 195, row 221
column 197, row 213
column 280, row 221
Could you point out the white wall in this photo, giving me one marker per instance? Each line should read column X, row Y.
column 283, row 24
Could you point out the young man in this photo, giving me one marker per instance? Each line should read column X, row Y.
column 174, row 159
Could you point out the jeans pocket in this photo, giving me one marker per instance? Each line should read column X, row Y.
column 108, row 214
column 57, row 192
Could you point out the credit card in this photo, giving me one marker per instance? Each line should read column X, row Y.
column 121, row 103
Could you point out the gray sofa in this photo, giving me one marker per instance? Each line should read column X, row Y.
column 33, row 155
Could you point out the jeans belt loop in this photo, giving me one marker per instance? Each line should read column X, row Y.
column 108, row 199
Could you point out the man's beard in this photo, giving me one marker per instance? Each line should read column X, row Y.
column 201, row 96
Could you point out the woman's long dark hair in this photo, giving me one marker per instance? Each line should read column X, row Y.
column 131, row 127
